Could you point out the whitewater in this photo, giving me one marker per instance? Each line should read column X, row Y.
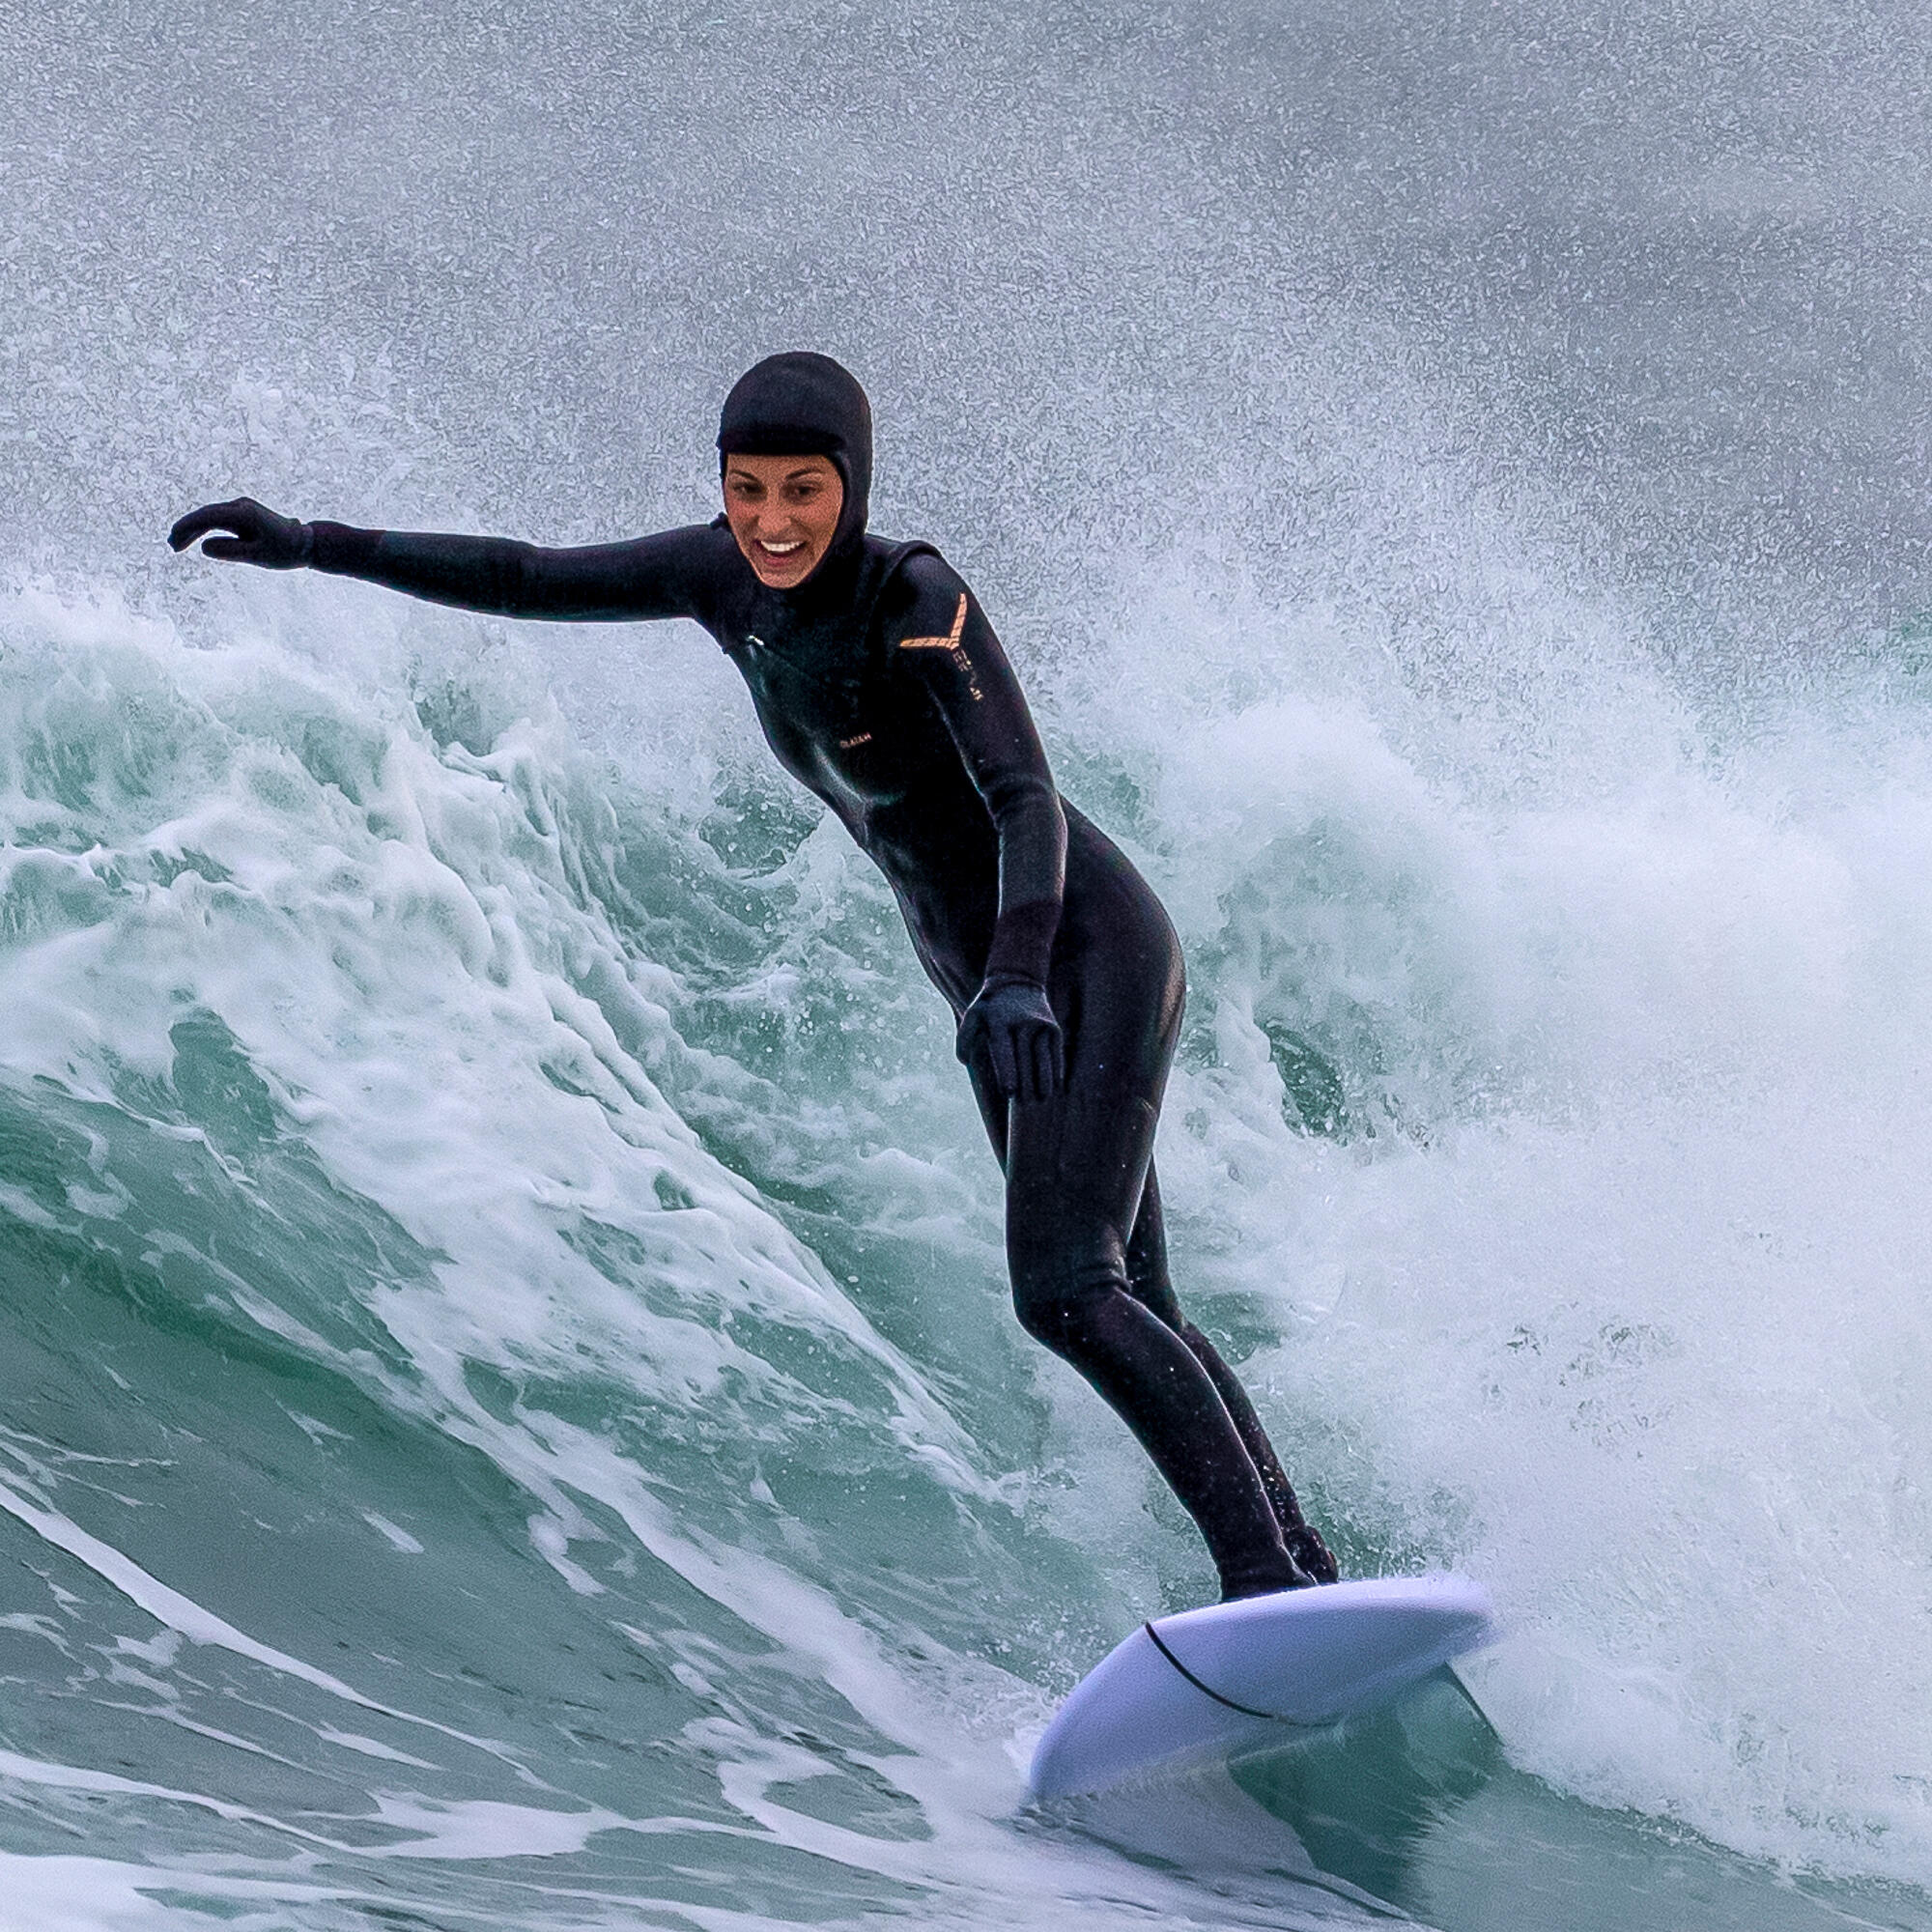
column 509, row 1410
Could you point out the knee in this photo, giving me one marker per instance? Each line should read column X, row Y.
column 1059, row 1297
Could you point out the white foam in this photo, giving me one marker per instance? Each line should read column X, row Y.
column 1614, row 1296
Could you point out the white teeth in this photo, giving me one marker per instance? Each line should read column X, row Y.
column 783, row 548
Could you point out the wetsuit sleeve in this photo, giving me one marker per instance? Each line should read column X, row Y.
column 662, row 576
column 941, row 638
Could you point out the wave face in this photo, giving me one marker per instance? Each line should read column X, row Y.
column 508, row 1410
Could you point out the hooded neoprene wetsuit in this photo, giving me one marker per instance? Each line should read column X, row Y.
column 883, row 689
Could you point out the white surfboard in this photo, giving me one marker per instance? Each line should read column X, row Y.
column 1233, row 1677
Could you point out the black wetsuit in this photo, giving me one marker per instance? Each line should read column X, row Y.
column 886, row 693
column 883, row 689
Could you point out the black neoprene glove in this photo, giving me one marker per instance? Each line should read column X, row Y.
column 1011, row 1025
column 261, row 537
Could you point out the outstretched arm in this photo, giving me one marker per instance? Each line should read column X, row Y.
column 945, row 640
column 660, row 576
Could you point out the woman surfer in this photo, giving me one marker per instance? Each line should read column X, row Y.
column 883, row 689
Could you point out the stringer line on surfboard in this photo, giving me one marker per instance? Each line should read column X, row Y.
column 1246, row 1710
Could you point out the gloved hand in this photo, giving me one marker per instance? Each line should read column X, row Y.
column 261, row 537
column 1011, row 1025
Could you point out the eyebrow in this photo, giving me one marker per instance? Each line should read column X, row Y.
column 803, row 469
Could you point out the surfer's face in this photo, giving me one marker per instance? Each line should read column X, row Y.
column 783, row 511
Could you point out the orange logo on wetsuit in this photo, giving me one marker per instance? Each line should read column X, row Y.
column 951, row 644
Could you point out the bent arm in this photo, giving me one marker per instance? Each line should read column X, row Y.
column 653, row 576
column 946, row 641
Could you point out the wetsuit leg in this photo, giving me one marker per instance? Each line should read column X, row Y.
column 1148, row 1283
column 1076, row 1168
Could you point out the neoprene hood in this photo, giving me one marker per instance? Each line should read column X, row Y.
column 804, row 404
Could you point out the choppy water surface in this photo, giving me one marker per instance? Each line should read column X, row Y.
column 508, row 1415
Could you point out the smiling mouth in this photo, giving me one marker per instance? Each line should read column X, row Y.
column 782, row 549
